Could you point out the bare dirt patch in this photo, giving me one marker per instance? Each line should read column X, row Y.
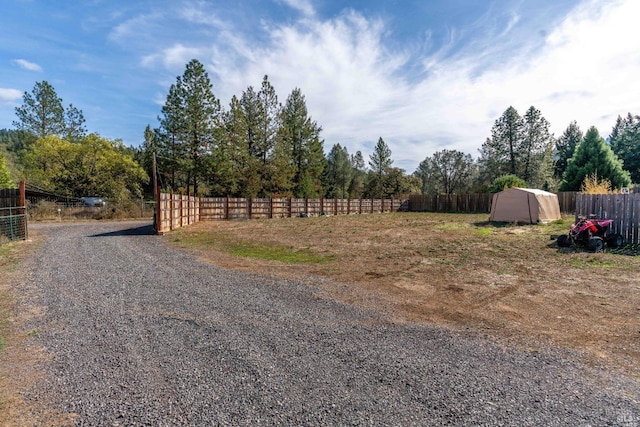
column 19, row 357
column 454, row 270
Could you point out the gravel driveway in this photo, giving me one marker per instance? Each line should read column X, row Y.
column 142, row 334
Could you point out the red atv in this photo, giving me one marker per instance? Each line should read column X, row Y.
column 591, row 233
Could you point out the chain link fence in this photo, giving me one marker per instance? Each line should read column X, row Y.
column 13, row 224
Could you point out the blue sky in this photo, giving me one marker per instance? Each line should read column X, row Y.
column 423, row 75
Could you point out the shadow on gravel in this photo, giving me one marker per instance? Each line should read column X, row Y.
column 146, row 230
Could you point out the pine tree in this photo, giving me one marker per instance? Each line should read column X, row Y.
column 192, row 124
column 300, row 136
column 625, row 143
column 339, row 172
column 535, row 140
column 594, row 157
column 356, row 188
column 74, row 124
column 380, row 162
column 500, row 154
column 565, row 147
column 42, row 112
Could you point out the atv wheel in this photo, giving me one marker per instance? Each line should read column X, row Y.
column 564, row 241
column 596, row 244
column 615, row 240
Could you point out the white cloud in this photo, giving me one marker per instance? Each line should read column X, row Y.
column 303, row 6
column 27, row 65
column 9, row 96
column 139, row 27
column 173, row 57
column 358, row 90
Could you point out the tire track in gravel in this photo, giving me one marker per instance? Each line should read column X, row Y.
column 142, row 334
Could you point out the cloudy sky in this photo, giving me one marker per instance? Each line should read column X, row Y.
column 423, row 75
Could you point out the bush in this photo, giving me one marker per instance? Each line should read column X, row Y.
column 506, row 181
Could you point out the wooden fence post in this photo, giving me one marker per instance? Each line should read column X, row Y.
column 22, row 202
column 171, row 213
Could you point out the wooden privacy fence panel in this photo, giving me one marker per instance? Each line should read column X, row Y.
column 480, row 202
column 467, row 203
column 175, row 211
column 567, row 201
column 623, row 209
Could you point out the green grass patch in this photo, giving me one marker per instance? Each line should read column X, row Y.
column 243, row 248
column 483, row 231
column 592, row 262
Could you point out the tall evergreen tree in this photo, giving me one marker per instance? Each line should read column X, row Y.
column 300, row 136
column 339, row 172
column 42, row 112
column 535, row 140
column 565, row 147
column 269, row 119
column 594, row 156
column 625, row 143
column 192, row 123
column 500, row 154
column 74, row 124
column 380, row 162
column 244, row 166
column 356, row 188
column 171, row 150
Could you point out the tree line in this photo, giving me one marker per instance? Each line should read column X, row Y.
column 260, row 147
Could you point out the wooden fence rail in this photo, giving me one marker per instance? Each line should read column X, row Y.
column 175, row 211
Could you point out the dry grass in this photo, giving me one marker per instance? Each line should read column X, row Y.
column 456, row 270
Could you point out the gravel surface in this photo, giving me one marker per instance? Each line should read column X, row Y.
column 142, row 334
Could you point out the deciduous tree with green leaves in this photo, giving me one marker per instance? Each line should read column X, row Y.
column 446, row 172
column 92, row 166
column 5, row 176
column 594, row 157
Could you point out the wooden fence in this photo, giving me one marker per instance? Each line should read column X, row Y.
column 472, row 203
column 176, row 210
column 450, row 202
column 623, row 209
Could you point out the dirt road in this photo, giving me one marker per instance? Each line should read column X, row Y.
column 137, row 333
